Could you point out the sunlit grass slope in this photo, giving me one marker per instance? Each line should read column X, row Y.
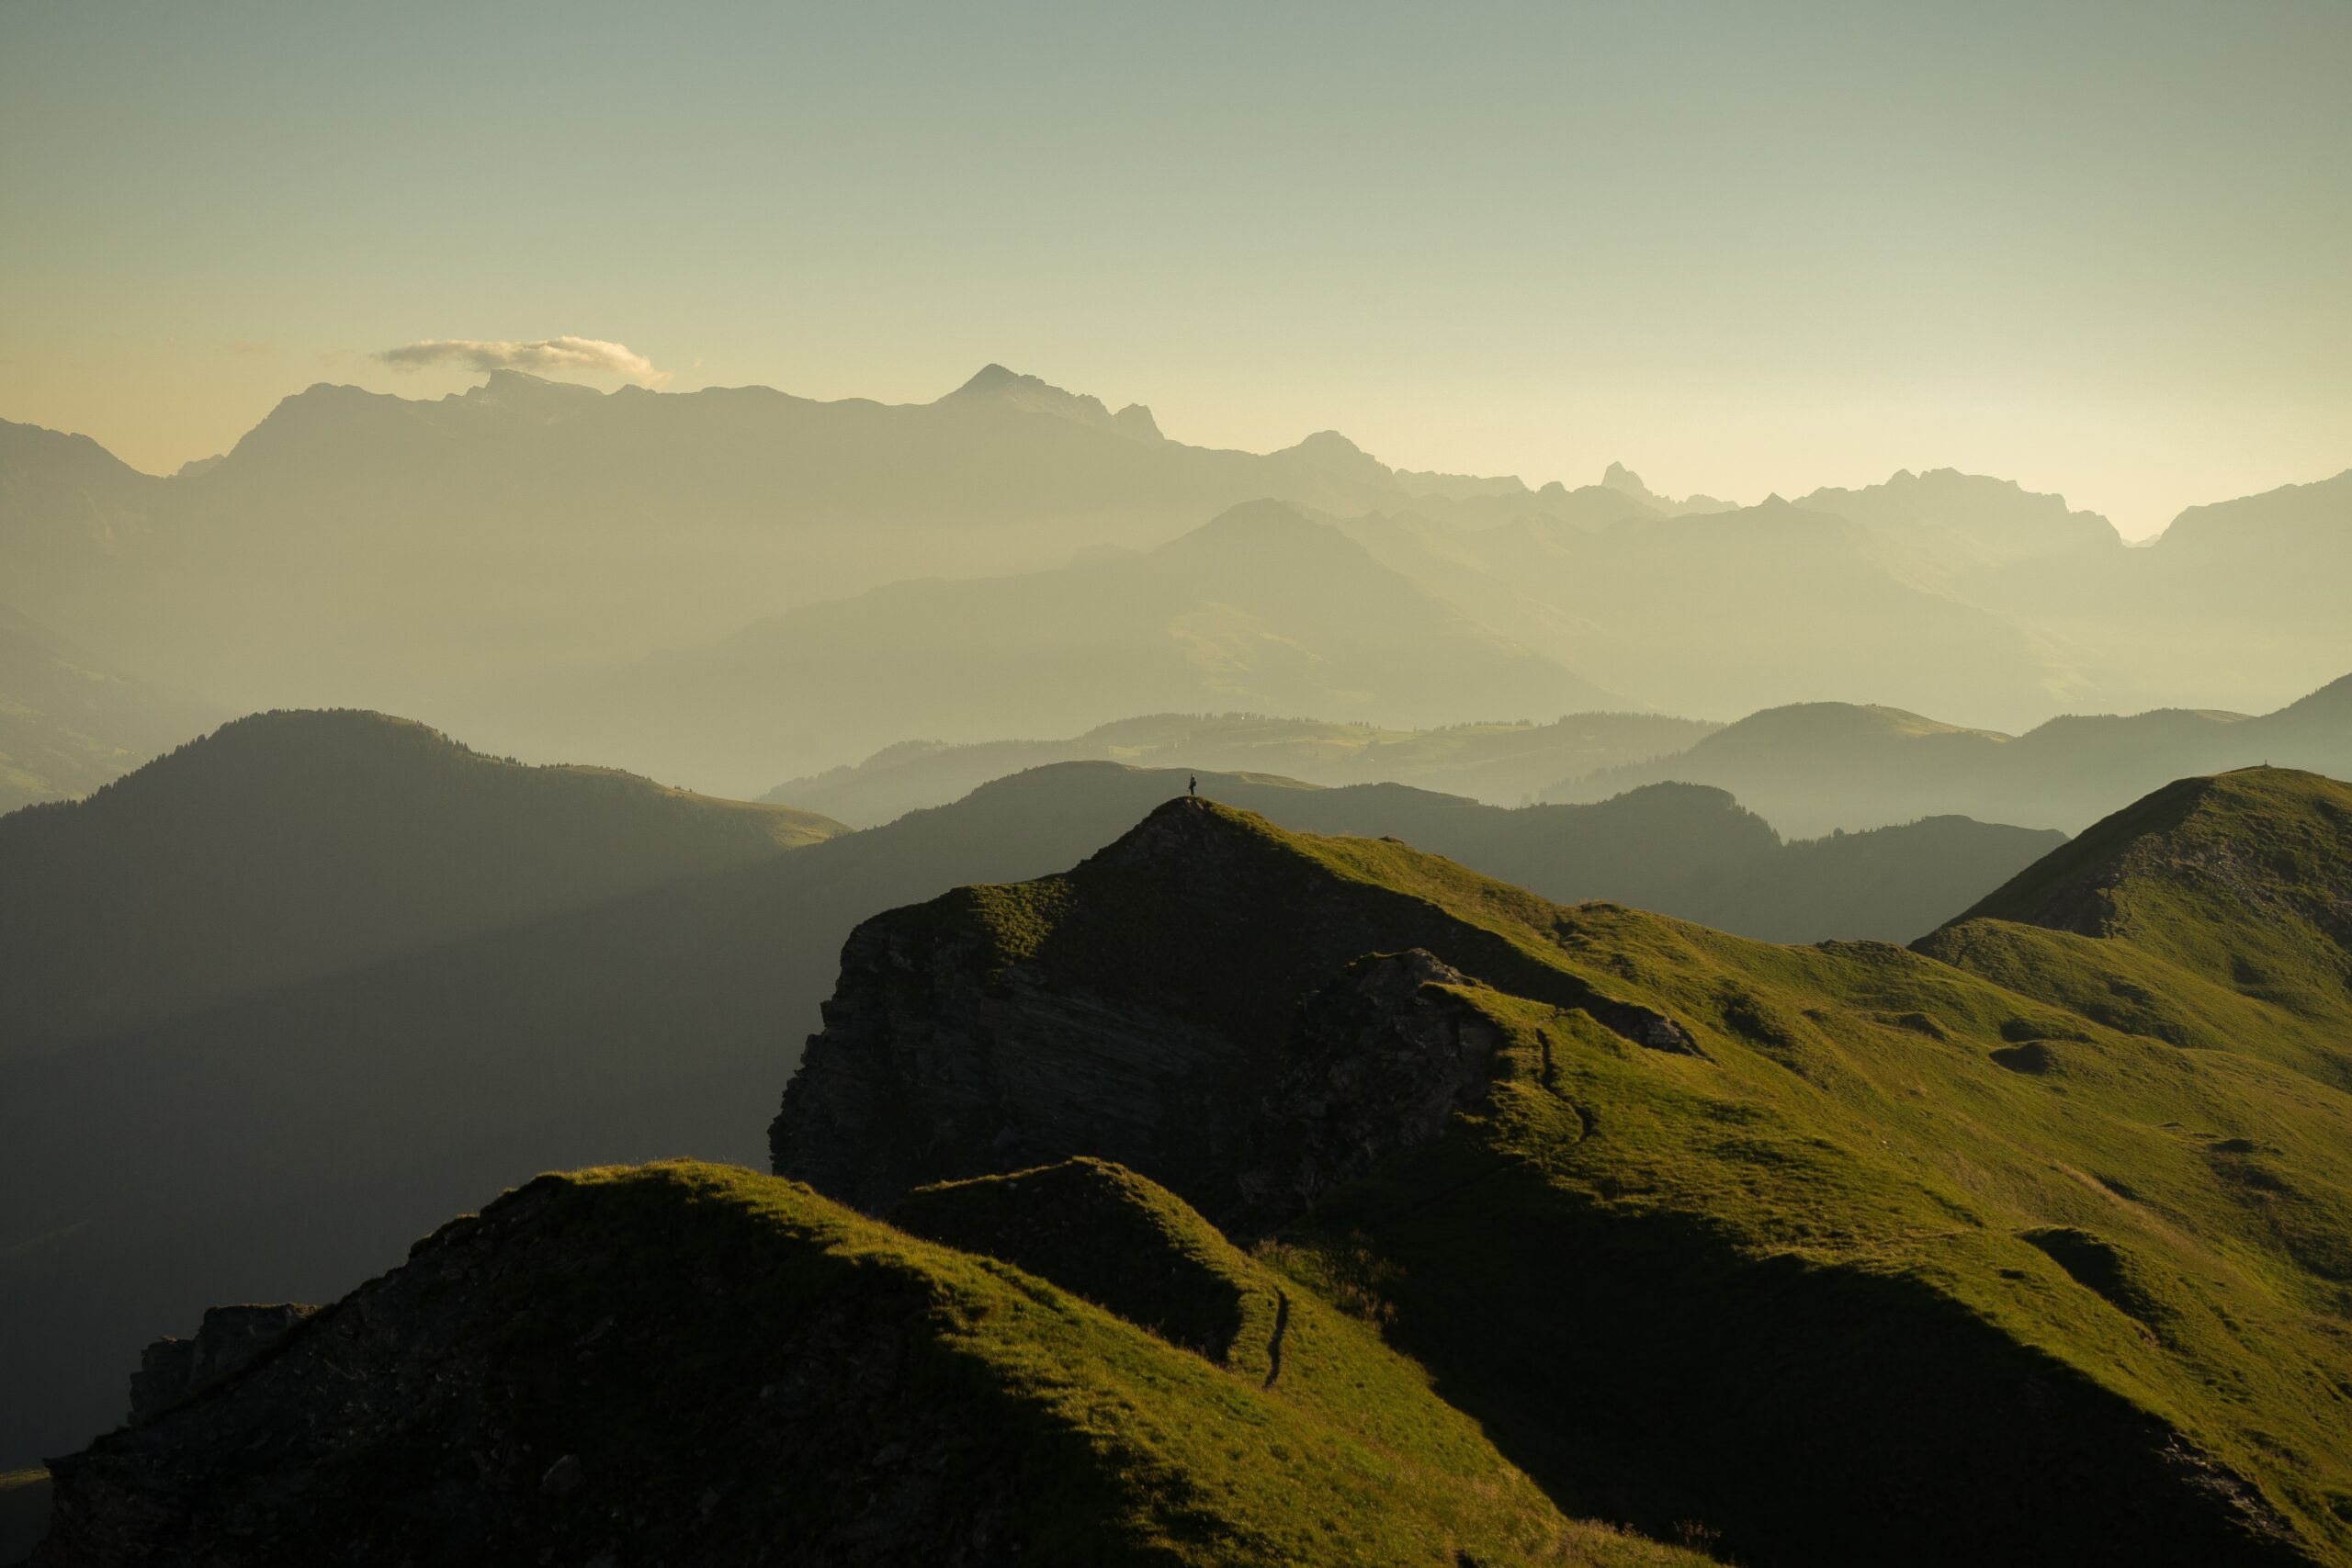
column 1901, row 1259
column 2216, row 913
column 749, row 1372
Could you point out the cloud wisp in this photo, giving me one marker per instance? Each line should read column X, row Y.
column 553, row 354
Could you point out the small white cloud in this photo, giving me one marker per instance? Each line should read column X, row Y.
column 554, row 354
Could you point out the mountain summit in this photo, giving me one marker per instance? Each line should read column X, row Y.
column 1628, row 1185
column 995, row 384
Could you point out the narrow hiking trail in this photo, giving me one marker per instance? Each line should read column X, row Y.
column 1274, row 1343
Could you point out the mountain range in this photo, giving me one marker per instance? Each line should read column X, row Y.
column 1812, row 767
column 285, row 998
column 410, row 549
column 1259, row 1196
column 499, row 556
column 1262, row 609
column 1502, row 764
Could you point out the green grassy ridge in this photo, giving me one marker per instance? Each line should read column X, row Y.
column 1099, row 1442
column 289, row 845
column 2244, row 879
column 1851, row 1119
column 1101, row 1232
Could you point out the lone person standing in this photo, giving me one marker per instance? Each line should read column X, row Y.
column 1193, row 788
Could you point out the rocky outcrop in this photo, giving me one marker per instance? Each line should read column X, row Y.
column 230, row 1339
column 1380, row 1058
column 1188, row 1003
column 934, row 1066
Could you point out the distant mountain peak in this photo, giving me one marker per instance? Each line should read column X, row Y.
column 995, row 384
column 1257, row 523
column 1136, row 421
column 993, row 377
column 1626, row 482
column 1997, row 520
column 520, row 388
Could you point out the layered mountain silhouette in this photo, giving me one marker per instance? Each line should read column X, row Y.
column 286, row 998
column 364, row 547
column 1262, row 609
column 1502, row 764
column 287, row 847
column 1721, row 613
column 470, row 556
column 1811, row 767
column 2024, row 1245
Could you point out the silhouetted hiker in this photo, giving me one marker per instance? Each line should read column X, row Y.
column 1193, row 788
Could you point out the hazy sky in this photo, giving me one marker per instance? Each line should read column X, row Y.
column 1742, row 247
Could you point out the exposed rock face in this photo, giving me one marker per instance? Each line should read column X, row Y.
column 1213, row 1032
column 230, row 1339
column 1383, row 1055
column 931, row 1067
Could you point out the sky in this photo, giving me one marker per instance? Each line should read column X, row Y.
column 2098, row 248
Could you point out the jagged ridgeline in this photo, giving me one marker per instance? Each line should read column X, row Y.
column 2026, row 1246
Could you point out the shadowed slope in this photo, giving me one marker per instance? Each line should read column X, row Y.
column 694, row 1363
column 1778, row 1239
column 287, row 1143
column 287, row 846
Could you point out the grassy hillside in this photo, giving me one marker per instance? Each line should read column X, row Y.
column 1885, row 1261
column 286, row 1143
column 692, row 1363
column 2216, row 914
column 287, row 846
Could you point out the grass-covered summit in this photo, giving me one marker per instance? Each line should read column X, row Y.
column 2215, row 912
column 692, row 1363
column 1846, row 1252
